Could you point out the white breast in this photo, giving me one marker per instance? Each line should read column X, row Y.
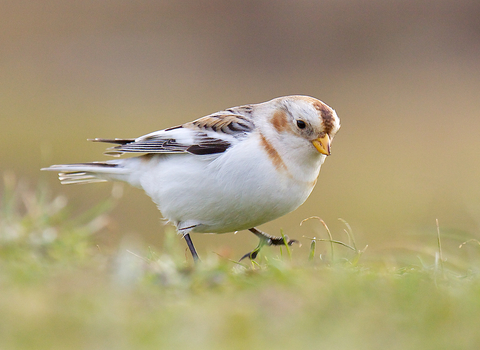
column 230, row 191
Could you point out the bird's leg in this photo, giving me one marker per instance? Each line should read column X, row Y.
column 272, row 240
column 266, row 239
column 191, row 247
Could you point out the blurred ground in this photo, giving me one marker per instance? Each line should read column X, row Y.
column 404, row 77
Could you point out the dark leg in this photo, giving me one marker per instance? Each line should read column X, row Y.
column 271, row 240
column 191, row 247
column 266, row 239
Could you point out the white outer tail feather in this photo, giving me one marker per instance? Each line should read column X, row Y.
column 78, row 178
column 84, row 173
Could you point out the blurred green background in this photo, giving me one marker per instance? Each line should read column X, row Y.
column 403, row 76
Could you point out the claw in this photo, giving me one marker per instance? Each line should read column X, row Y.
column 291, row 241
column 252, row 255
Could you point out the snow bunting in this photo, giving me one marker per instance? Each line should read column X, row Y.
column 225, row 172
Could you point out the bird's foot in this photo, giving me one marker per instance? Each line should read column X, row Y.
column 251, row 255
column 266, row 239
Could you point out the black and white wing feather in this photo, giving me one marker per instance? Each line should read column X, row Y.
column 211, row 134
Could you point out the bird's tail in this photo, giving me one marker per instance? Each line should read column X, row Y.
column 83, row 173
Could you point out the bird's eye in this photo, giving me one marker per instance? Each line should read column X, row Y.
column 301, row 124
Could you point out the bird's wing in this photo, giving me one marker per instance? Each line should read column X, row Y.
column 214, row 133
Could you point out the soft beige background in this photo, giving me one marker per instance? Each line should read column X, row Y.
column 404, row 77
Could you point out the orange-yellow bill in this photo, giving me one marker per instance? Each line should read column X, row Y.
column 322, row 144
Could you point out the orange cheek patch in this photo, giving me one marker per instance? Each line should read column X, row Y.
column 279, row 121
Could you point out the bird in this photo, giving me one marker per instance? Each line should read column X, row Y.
column 225, row 172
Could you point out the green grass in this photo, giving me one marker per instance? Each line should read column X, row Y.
column 59, row 290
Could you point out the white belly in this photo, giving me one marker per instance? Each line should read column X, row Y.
column 237, row 190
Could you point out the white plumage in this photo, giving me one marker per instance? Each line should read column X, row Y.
column 228, row 171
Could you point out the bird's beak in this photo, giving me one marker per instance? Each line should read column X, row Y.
column 322, row 144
